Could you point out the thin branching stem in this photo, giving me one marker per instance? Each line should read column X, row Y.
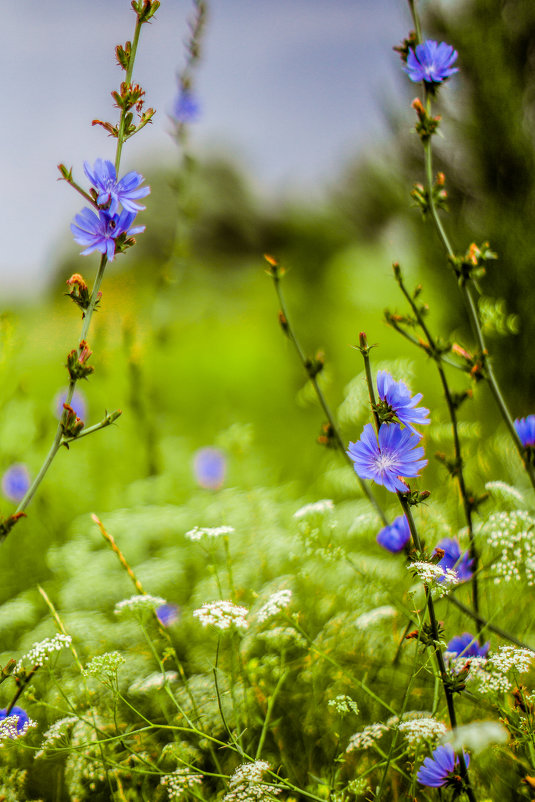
column 288, row 328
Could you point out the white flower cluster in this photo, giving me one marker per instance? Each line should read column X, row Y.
column 222, row 614
column 321, row 507
column 55, row 733
column 344, row 704
column 418, row 730
column 282, row 636
column 153, row 682
column 367, row 737
column 104, row 666
column 42, row 651
column 179, row 782
column 246, row 784
column 513, row 535
column 139, row 603
column 491, row 674
column 373, row 616
column 198, row 532
column 276, row 602
column 432, row 575
column 9, row 730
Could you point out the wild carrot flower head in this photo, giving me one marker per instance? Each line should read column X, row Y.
column 525, row 428
column 99, row 232
column 15, row 482
column 387, row 458
column 439, row 770
column 110, row 191
column 466, row 645
column 397, row 400
column 453, row 559
column 431, row 62
column 395, row 537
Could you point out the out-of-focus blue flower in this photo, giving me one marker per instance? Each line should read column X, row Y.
column 23, row 717
column 210, row 467
column 186, row 108
column 439, row 770
column 99, row 232
column 78, row 403
column 525, row 428
column 389, row 457
column 431, row 62
column 398, row 397
column 461, row 563
column 110, row 191
column 16, row 482
column 466, row 645
column 396, row 536
column 167, row 614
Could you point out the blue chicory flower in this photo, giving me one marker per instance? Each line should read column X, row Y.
column 525, row 428
column 167, row 614
column 466, row 645
column 16, row 482
column 395, row 537
column 186, row 108
column 99, row 232
column 210, row 465
column 110, row 191
column 397, row 396
column 431, row 62
column 23, row 717
column 78, row 403
column 387, row 458
column 439, row 770
column 460, row 563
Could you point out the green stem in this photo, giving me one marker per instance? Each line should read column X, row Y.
column 467, row 507
column 323, row 403
column 127, row 80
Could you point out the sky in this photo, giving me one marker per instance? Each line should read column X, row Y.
column 290, row 88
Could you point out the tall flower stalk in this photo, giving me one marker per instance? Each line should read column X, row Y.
column 466, row 267
column 103, row 230
column 407, row 499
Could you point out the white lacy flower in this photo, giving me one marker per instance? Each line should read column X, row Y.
column 508, row 657
column 10, row 729
column 142, row 602
column 422, row 729
column 198, row 532
column 321, row 507
column 40, row 652
column 432, row 575
column 512, row 535
column 367, row 737
column 104, row 666
column 276, row 602
column 179, row 782
column 246, row 784
column 153, row 682
column 222, row 614
column 344, row 704
column 55, row 733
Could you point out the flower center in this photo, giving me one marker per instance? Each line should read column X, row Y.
column 385, row 462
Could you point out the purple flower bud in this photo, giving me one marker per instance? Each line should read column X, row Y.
column 395, row 537
column 167, row 614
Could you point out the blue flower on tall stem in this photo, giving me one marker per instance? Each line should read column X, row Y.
column 466, row 645
column 439, row 770
column 397, row 396
column 525, row 428
column 210, row 466
column 395, row 537
column 387, row 458
column 431, row 62
column 110, row 191
column 453, row 559
column 99, row 232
